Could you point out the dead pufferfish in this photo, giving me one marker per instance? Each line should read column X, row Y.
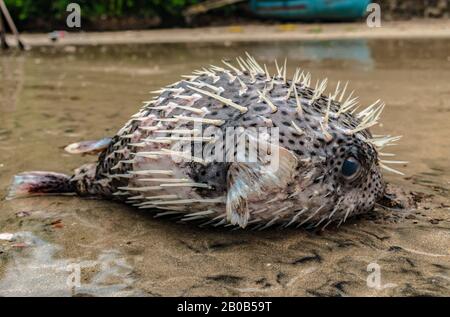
column 328, row 161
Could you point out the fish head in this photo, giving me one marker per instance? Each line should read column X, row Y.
column 338, row 176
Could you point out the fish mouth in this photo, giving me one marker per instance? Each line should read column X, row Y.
column 394, row 198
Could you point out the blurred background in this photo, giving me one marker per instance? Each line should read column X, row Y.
column 47, row 15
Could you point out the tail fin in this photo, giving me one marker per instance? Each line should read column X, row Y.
column 39, row 183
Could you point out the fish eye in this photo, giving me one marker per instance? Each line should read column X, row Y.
column 350, row 168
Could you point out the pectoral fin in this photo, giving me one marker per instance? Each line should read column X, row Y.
column 88, row 147
column 249, row 181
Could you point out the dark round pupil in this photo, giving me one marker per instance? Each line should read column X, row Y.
column 349, row 168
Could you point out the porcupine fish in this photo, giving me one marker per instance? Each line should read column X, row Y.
column 328, row 162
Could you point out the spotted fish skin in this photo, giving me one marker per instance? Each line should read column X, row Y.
column 322, row 140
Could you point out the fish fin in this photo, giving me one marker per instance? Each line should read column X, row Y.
column 39, row 183
column 88, row 147
column 250, row 181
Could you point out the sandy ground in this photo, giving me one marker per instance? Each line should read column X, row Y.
column 247, row 33
column 51, row 97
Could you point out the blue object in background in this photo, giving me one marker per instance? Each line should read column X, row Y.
column 310, row 10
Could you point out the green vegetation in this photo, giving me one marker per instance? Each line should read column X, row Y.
column 50, row 12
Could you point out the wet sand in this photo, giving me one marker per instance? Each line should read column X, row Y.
column 50, row 97
column 420, row 28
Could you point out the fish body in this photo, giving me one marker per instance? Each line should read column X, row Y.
column 309, row 158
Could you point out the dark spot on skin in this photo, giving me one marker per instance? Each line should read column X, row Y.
column 321, row 140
